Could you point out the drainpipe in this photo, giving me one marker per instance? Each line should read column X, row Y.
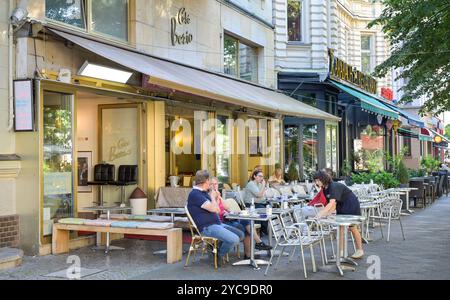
column 10, row 71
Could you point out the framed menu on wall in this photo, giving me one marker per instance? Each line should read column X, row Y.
column 23, row 105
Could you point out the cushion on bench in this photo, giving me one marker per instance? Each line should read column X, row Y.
column 125, row 224
column 155, row 225
column 139, row 217
column 116, row 216
column 99, row 222
column 72, row 221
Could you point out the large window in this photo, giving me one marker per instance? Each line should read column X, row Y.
column 307, row 98
column 310, row 151
column 58, row 159
column 369, row 149
column 105, row 17
column 223, row 149
column 407, row 146
column 366, row 54
column 294, row 20
column 240, row 59
column 331, row 154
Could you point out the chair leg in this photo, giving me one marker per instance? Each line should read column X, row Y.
column 332, row 245
column 381, row 228
column 401, row 227
column 216, row 253
column 279, row 257
column 189, row 256
column 322, row 253
column 389, row 229
column 303, row 261
column 353, row 241
column 313, row 260
column 270, row 261
column 325, row 250
column 292, row 254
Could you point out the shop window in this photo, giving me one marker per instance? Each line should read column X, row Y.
column 366, row 54
column 257, row 139
column 369, row 149
column 223, row 149
column 294, row 20
column 307, row 98
column 407, row 146
column 331, row 153
column 58, row 159
column 310, row 151
column 240, row 59
column 105, row 17
column 291, row 147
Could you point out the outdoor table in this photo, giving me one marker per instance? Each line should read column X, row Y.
column 342, row 221
column 252, row 218
column 407, row 190
column 169, row 210
column 294, row 200
column 108, row 210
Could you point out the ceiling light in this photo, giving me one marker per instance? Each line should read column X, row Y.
column 106, row 73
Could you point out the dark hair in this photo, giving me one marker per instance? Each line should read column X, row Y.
column 201, row 177
column 324, row 177
column 255, row 173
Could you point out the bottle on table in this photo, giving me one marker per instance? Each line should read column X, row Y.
column 252, row 206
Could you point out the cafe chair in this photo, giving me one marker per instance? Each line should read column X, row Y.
column 298, row 189
column 187, row 180
column 103, row 175
column 389, row 211
column 127, row 175
column 419, row 193
column 285, row 190
column 227, row 187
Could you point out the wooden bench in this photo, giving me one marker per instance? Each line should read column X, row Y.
column 60, row 238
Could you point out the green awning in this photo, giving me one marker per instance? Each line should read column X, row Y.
column 425, row 138
column 368, row 102
column 407, row 133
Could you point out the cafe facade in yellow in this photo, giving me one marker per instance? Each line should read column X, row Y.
column 127, row 83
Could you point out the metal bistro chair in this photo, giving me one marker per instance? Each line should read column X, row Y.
column 430, row 187
column 292, row 240
column 390, row 210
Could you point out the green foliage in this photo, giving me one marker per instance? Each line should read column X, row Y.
column 373, row 160
column 416, row 173
column 387, row 180
column 346, row 168
column 402, row 175
column 447, row 131
column 418, row 32
column 430, row 163
column 292, row 173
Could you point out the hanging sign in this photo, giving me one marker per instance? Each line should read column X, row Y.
column 341, row 70
column 181, row 19
column 23, row 105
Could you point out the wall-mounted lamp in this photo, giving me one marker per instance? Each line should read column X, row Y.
column 106, row 73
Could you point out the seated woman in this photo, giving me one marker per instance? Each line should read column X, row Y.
column 256, row 189
column 277, row 177
column 243, row 225
column 342, row 200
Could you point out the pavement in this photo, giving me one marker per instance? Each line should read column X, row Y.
column 423, row 255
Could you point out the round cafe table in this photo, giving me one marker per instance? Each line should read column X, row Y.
column 342, row 221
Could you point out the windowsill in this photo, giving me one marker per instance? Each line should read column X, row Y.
column 298, row 44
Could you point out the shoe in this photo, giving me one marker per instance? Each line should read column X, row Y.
column 358, row 254
column 262, row 246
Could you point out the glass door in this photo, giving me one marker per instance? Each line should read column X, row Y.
column 58, row 159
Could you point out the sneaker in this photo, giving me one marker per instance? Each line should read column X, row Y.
column 358, row 254
column 262, row 246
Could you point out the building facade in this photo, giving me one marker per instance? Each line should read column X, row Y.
column 131, row 82
column 309, row 36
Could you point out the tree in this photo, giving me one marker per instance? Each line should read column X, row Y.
column 419, row 34
column 447, row 131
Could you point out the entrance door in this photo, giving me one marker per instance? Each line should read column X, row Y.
column 58, row 159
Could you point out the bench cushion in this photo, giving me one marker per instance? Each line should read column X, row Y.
column 155, row 225
column 72, row 221
column 116, row 216
column 99, row 222
column 125, row 224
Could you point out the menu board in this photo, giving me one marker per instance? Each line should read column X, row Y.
column 23, row 105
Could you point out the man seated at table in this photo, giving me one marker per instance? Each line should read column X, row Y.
column 277, row 177
column 342, row 200
column 204, row 211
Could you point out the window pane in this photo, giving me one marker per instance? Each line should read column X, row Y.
column 372, row 145
column 294, row 18
column 69, row 12
column 58, row 159
column 111, row 17
column 291, row 149
column 310, row 150
column 230, row 56
column 365, row 63
column 223, row 147
column 307, row 98
column 248, row 63
column 365, row 42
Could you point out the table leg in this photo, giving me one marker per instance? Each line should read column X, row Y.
column 252, row 261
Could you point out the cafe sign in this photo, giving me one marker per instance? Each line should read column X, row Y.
column 180, row 38
column 343, row 71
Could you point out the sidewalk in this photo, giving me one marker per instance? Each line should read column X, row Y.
column 424, row 255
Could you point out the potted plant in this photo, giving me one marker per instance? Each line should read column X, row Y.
column 292, row 173
column 403, row 175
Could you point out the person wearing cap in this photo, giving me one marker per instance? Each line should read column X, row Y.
column 205, row 210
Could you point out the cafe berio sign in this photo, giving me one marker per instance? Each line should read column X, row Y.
column 182, row 18
column 341, row 70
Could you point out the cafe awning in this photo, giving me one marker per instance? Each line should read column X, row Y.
column 368, row 102
column 413, row 119
column 195, row 81
column 443, row 137
column 407, row 133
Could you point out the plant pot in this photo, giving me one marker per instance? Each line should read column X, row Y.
column 404, row 185
column 138, row 206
